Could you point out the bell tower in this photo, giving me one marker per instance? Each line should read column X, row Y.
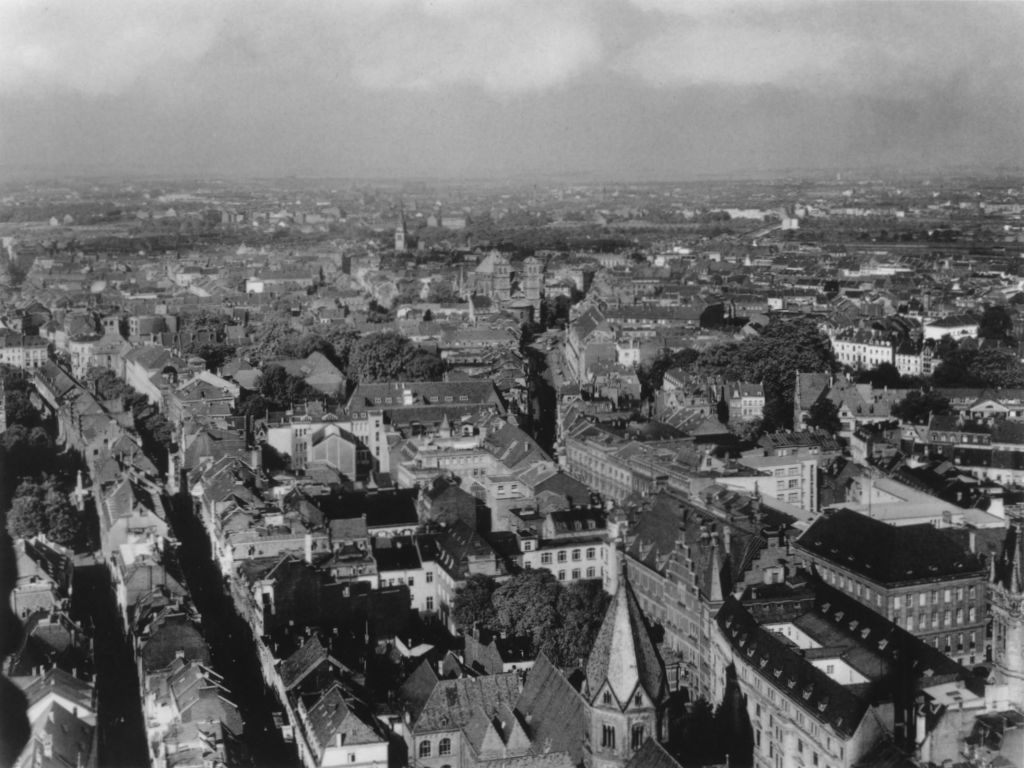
column 626, row 689
column 1006, row 592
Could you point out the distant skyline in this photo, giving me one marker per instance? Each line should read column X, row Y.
column 627, row 89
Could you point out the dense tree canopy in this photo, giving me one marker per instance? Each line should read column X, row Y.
column 918, row 406
column 472, row 605
column 785, row 346
column 995, row 324
column 559, row 620
column 824, row 414
column 40, row 507
column 389, row 356
column 989, row 366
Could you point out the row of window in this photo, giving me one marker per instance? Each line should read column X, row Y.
column 577, row 554
column 637, row 736
column 444, row 747
column 924, row 598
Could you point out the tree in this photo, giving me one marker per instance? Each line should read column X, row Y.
column 996, row 324
column 423, row 366
column 824, row 414
column 389, row 356
column 26, row 517
column 213, row 353
column 472, row 605
column 20, row 410
column 40, row 507
column 526, row 605
column 917, row 407
column 882, row 375
column 985, row 367
column 580, row 607
column 283, row 388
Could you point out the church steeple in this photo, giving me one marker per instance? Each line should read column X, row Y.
column 625, row 687
column 624, row 655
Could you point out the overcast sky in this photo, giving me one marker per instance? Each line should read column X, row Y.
column 495, row 88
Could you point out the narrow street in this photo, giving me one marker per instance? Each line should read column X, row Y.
column 122, row 734
column 231, row 644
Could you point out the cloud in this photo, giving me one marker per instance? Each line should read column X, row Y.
column 858, row 48
column 100, row 48
column 505, row 47
column 104, row 47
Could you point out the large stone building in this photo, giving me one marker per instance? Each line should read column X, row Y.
column 916, row 575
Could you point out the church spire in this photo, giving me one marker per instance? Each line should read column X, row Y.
column 624, row 654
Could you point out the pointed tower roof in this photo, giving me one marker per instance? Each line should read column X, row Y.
column 1016, row 584
column 624, row 654
column 1008, row 567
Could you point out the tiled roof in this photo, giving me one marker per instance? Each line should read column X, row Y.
column 554, row 710
column 652, row 755
column 452, row 702
column 417, row 688
column 332, row 716
column 293, row 669
column 887, row 554
column 624, row 653
column 825, row 699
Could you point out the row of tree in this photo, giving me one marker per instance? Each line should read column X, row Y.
column 559, row 620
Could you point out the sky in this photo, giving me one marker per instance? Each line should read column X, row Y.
column 600, row 89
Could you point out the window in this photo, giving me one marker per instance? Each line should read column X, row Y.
column 607, row 698
column 590, row 553
column 430, row 603
column 545, row 558
column 351, row 757
column 591, row 573
column 922, row 599
column 636, row 737
column 444, row 747
column 424, row 749
column 575, row 574
column 430, row 577
column 608, row 737
column 412, row 581
column 561, row 575
column 576, row 554
column 561, row 556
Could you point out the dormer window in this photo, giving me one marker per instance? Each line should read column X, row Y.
column 607, row 698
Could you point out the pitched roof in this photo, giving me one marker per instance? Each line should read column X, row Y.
column 887, row 554
column 417, row 688
column 301, row 663
column 554, row 710
column 624, row 654
column 332, row 716
column 652, row 755
column 452, row 702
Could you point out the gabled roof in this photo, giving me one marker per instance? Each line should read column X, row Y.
column 297, row 666
column 417, row 688
column 554, row 710
column 452, row 703
column 652, row 755
column 624, row 654
column 332, row 716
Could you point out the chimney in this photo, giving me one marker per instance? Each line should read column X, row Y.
column 309, row 548
column 256, row 457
